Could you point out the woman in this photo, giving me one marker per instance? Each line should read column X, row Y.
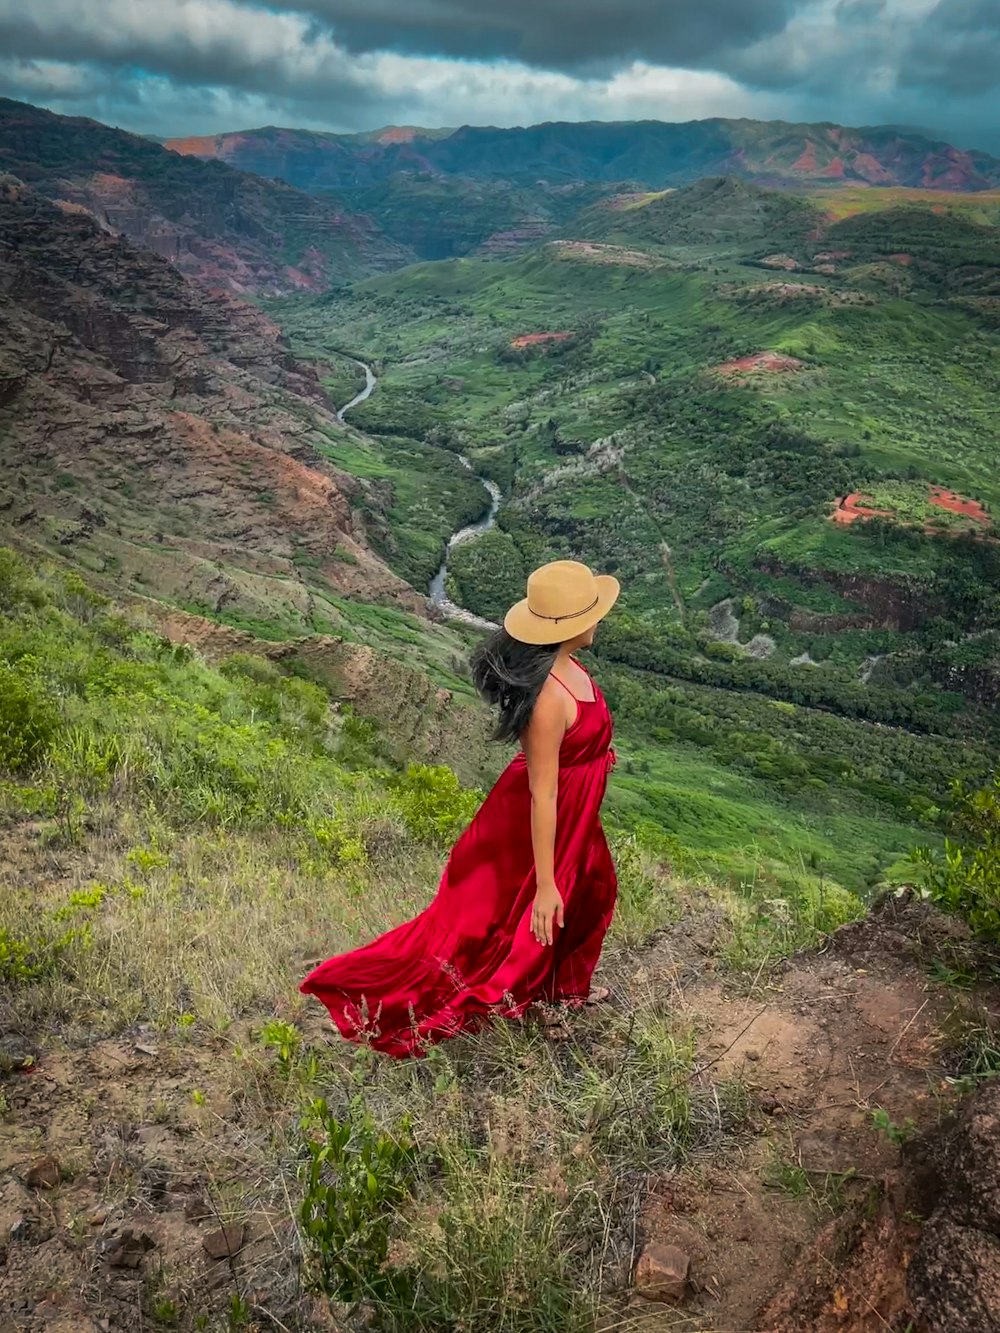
column 529, row 888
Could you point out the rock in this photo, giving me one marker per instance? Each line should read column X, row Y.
column 954, row 1278
column 44, row 1174
column 196, row 1209
column 225, row 1242
column 662, row 1273
column 126, row 1250
column 98, row 1217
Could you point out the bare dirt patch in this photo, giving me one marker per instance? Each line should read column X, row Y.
column 834, row 1038
column 536, row 339
column 593, row 253
column 957, row 504
column 760, row 363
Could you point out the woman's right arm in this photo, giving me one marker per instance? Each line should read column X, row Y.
column 541, row 741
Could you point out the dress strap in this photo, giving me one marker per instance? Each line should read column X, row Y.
column 564, row 685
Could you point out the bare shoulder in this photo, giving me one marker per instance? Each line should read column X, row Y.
column 551, row 715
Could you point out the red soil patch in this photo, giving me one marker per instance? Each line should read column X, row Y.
column 956, row 504
column 835, row 171
column 871, row 169
column 398, row 134
column 806, row 161
column 532, row 339
column 903, row 258
column 768, row 363
column 858, row 505
column 192, row 147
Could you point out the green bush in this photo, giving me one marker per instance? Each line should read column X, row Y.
column 435, row 807
column 24, row 959
column 965, row 877
column 355, row 1178
column 28, row 721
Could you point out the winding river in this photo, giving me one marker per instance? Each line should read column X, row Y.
column 436, row 591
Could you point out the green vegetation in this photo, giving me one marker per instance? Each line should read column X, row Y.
column 792, row 695
column 965, row 876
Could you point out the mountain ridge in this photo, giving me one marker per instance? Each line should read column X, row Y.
column 652, row 152
column 224, row 227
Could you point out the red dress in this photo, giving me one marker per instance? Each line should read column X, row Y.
column 471, row 953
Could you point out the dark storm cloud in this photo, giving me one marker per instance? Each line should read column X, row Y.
column 956, row 49
column 555, row 34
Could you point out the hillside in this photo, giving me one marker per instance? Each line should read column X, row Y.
column 439, row 217
column 944, row 241
column 720, row 214
column 759, row 1132
column 655, row 154
column 216, row 224
column 163, row 436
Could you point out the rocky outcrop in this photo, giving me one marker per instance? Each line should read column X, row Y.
column 895, row 604
column 164, row 435
column 954, row 1274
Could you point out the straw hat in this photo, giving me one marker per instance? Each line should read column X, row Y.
column 564, row 599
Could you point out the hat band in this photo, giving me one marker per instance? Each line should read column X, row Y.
column 572, row 615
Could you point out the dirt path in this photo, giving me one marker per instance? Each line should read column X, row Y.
column 841, row 1043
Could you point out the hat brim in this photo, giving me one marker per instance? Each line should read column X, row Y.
column 522, row 624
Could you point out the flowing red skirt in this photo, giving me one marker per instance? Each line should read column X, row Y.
column 471, row 954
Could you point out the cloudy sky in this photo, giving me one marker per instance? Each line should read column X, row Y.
column 179, row 67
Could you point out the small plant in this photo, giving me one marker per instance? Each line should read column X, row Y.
column 827, row 1189
column 27, row 959
column 284, row 1039
column 884, row 1123
column 339, row 846
column 790, row 1178
column 147, row 858
column 355, row 1178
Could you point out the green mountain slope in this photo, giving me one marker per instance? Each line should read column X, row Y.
column 443, row 216
column 216, row 224
column 721, row 214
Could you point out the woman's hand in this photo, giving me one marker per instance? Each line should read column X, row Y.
column 546, row 913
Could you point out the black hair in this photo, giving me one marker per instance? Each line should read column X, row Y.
column 510, row 675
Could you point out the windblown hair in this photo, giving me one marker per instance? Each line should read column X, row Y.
column 509, row 675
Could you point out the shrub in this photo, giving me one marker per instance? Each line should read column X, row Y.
column 435, row 807
column 965, row 877
column 24, row 959
column 28, row 721
column 356, row 1177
